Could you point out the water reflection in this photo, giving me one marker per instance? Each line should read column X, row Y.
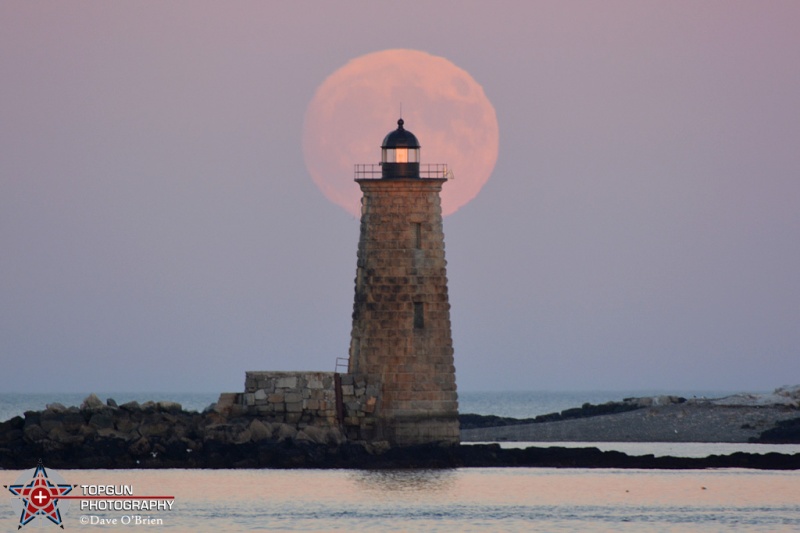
column 476, row 499
column 404, row 481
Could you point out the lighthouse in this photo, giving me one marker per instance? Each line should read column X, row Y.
column 401, row 343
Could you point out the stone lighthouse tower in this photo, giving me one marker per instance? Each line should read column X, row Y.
column 401, row 346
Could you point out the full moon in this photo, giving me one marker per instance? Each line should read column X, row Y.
column 356, row 106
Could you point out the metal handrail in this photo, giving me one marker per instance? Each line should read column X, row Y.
column 342, row 362
column 374, row 171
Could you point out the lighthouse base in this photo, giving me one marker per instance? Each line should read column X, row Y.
column 419, row 429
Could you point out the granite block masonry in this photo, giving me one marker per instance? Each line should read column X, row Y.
column 302, row 399
column 401, row 336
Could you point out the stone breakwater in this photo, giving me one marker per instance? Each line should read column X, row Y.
column 162, row 435
column 153, row 434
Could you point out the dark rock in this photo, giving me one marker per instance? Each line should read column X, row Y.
column 259, row 430
column 12, row 423
column 154, row 426
column 72, row 421
column 60, row 435
column 169, row 407
column 92, row 403
column 87, row 431
column 313, row 434
column 55, row 407
column 784, row 432
column 11, row 430
column 102, row 420
column 285, row 432
column 227, row 433
column 140, row 447
column 34, row 433
column 123, row 422
column 50, row 420
column 111, row 433
column 472, row 421
column 131, row 406
column 32, row 417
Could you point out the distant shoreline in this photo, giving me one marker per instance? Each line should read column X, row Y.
column 773, row 418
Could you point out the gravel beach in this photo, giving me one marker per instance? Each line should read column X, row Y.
column 738, row 419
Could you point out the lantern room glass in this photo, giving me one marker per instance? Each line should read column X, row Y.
column 400, row 155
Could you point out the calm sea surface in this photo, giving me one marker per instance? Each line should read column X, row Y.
column 481, row 499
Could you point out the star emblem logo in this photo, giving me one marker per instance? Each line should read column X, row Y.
column 37, row 494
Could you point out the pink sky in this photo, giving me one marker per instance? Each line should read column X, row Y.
column 159, row 230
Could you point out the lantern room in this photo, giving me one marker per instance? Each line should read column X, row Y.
column 400, row 154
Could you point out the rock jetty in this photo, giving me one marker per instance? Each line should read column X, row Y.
column 162, row 435
column 152, row 434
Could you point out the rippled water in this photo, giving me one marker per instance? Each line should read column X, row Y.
column 482, row 499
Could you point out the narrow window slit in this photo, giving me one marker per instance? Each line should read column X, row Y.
column 419, row 318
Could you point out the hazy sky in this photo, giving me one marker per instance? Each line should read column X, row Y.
column 159, row 229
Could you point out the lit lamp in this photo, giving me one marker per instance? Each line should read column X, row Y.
column 400, row 154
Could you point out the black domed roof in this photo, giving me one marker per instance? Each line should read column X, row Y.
column 400, row 138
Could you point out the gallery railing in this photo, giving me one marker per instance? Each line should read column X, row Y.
column 374, row 171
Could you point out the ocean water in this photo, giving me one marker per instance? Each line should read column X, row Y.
column 458, row 500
